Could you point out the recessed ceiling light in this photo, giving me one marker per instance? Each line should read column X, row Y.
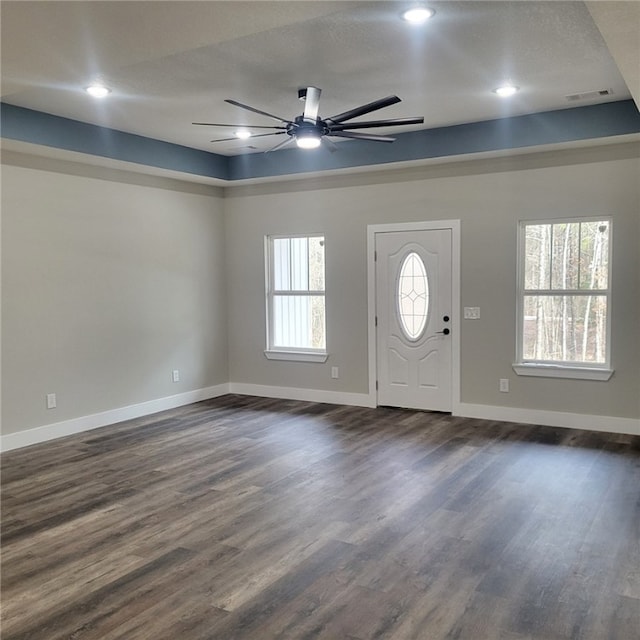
column 506, row 90
column 243, row 134
column 98, row 90
column 418, row 15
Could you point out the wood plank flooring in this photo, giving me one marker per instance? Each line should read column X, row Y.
column 250, row 518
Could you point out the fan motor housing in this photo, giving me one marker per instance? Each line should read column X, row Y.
column 300, row 127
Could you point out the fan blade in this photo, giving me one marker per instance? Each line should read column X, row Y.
column 260, row 135
column 284, row 143
column 264, row 113
column 236, row 126
column 365, row 108
column 329, row 144
column 360, row 136
column 311, row 105
column 225, row 139
column 375, row 123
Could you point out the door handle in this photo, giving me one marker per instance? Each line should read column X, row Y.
column 446, row 332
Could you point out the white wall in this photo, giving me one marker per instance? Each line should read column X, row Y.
column 107, row 287
column 489, row 198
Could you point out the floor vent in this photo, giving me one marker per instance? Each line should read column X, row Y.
column 589, row 95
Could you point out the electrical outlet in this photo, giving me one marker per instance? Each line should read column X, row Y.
column 334, row 372
column 504, row 385
column 51, row 401
column 175, row 376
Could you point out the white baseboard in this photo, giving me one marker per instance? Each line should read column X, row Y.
column 20, row 439
column 308, row 395
column 609, row 424
column 93, row 421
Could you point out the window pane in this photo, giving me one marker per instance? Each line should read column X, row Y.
column 281, row 267
column 299, row 322
column 537, row 256
column 594, row 255
column 299, row 264
column 565, row 328
column 316, row 264
column 565, row 255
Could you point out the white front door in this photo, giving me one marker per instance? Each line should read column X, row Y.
column 413, row 316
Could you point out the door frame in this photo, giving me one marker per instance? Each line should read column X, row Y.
column 372, row 230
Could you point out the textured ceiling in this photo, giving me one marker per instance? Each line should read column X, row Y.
column 172, row 63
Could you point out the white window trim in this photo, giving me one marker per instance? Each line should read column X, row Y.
column 545, row 370
column 575, row 371
column 296, row 356
column 290, row 354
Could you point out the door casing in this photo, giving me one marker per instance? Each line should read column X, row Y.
column 372, row 230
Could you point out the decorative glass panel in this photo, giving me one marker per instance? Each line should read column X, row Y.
column 413, row 296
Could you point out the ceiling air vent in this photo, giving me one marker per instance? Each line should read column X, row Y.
column 589, row 95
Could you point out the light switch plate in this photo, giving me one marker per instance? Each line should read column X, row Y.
column 471, row 313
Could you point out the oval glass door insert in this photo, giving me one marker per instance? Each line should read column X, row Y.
column 413, row 296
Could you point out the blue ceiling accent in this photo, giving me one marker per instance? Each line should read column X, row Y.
column 565, row 125
column 26, row 125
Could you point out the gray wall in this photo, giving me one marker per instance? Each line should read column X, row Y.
column 107, row 287
column 111, row 280
column 489, row 197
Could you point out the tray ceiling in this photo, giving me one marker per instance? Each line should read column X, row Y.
column 172, row 63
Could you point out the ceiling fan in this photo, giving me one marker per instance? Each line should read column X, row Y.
column 309, row 130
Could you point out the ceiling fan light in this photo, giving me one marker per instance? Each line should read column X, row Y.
column 243, row 134
column 308, row 141
column 98, row 91
column 418, row 15
column 506, row 90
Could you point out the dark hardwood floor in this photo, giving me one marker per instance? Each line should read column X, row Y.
column 250, row 518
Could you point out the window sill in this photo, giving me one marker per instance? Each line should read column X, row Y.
column 562, row 371
column 297, row 356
